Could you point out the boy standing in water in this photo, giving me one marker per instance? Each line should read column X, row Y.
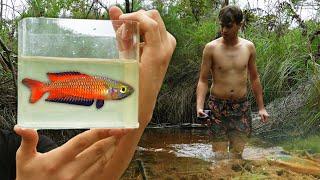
column 230, row 59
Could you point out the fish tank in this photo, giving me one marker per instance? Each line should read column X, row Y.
column 78, row 73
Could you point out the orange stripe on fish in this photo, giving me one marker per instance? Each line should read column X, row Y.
column 78, row 88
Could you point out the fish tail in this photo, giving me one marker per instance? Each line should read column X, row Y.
column 37, row 89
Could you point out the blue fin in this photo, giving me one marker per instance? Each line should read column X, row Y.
column 99, row 103
column 72, row 100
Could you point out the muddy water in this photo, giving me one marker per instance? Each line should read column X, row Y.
column 188, row 154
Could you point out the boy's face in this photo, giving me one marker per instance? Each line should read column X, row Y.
column 229, row 30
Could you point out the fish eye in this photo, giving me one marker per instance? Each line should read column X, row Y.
column 123, row 89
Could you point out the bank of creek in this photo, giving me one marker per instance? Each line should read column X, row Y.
column 180, row 153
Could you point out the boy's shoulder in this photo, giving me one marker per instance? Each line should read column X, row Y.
column 247, row 42
column 214, row 43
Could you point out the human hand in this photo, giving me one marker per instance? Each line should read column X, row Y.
column 156, row 52
column 200, row 113
column 155, row 55
column 83, row 157
column 263, row 115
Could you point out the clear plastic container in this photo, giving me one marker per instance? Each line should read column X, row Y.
column 75, row 73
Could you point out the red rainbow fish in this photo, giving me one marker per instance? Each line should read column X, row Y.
column 78, row 88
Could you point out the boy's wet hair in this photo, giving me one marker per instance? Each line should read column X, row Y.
column 230, row 14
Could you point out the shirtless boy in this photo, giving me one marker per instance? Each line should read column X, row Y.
column 231, row 61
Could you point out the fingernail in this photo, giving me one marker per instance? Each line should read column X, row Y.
column 17, row 127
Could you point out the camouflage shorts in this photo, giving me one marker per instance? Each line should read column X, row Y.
column 228, row 115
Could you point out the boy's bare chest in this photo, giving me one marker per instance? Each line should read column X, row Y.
column 231, row 60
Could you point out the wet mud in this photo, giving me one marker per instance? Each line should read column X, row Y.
column 189, row 154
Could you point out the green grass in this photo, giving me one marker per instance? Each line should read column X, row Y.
column 310, row 144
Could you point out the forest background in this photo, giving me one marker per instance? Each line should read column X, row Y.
column 288, row 57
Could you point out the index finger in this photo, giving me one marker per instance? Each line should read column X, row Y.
column 123, row 32
column 155, row 15
column 115, row 12
column 148, row 26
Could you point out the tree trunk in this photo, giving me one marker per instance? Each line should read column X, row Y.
column 225, row 3
column 195, row 9
column 3, row 64
column 127, row 6
column 132, row 6
column 1, row 8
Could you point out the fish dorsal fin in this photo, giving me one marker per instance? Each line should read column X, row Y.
column 65, row 75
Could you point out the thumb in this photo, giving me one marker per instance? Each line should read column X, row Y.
column 201, row 113
column 28, row 143
column 115, row 12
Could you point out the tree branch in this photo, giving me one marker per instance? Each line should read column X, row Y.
column 295, row 16
column 11, row 8
column 3, row 63
column 3, row 46
column 102, row 5
column 11, row 66
column 89, row 10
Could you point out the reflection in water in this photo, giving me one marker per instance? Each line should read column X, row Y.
column 258, row 153
column 188, row 154
column 195, row 150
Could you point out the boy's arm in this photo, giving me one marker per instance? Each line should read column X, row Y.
column 255, row 83
column 202, row 87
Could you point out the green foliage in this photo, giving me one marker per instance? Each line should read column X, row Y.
column 281, row 61
column 182, row 76
column 311, row 112
column 6, row 35
column 54, row 8
column 310, row 144
column 39, row 8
